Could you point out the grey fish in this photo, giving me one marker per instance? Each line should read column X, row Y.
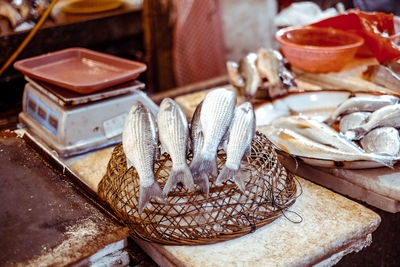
column 233, row 73
column 361, row 103
column 318, row 132
column 214, row 120
column 249, row 72
column 388, row 116
column 296, row 144
column 140, row 144
column 195, row 131
column 271, row 66
column 352, row 120
column 241, row 134
column 174, row 134
column 383, row 140
column 268, row 62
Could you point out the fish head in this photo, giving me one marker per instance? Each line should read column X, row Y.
column 138, row 107
column 167, row 104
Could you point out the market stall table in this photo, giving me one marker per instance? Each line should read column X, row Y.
column 331, row 227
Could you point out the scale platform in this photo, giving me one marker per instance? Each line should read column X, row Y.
column 71, row 123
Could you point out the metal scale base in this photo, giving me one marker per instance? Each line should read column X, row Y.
column 70, row 123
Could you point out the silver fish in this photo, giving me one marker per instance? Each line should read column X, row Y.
column 352, row 120
column 361, row 103
column 214, row 120
column 318, row 132
column 296, row 144
column 386, row 116
column 383, row 140
column 233, row 73
column 241, row 134
column 195, row 131
column 174, row 134
column 249, row 72
column 140, row 144
column 268, row 62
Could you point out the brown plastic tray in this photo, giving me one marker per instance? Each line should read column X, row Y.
column 81, row 70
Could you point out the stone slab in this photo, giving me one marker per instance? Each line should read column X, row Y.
column 332, row 226
column 45, row 219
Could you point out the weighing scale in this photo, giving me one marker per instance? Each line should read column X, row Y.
column 71, row 123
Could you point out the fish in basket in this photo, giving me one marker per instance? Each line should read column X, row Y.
column 213, row 180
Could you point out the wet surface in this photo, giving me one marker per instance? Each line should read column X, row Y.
column 41, row 210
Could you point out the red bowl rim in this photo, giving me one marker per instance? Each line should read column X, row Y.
column 278, row 36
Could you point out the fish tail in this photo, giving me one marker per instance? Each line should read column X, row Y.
column 355, row 134
column 387, row 161
column 228, row 173
column 202, row 181
column 206, row 164
column 179, row 175
column 202, row 167
column 148, row 193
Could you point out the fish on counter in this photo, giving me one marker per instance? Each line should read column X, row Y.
column 235, row 78
column 174, row 136
column 294, row 143
column 352, row 120
column 268, row 63
column 361, row 104
column 140, row 145
column 387, row 116
column 261, row 74
column 214, row 119
column 248, row 70
column 271, row 66
column 383, row 140
column 318, row 132
column 386, row 75
column 9, row 17
column 239, row 143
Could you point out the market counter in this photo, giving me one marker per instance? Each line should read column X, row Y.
column 331, row 226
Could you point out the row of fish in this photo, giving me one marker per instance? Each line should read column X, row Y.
column 216, row 124
column 368, row 130
column 265, row 69
column 373, row 121
column 304, row 136
column 18, row 15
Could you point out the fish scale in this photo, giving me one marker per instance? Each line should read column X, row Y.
column 215, row 117
column 141, row 158
column 140, row 145
column 174, row 135
column 240, row 137
column 242, row 133
column 220, row 106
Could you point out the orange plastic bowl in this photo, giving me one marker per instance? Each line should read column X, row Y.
column 320, row 50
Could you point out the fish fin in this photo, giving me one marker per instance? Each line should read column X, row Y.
column 202, row 181
column 201, row 168
column 385, row 160
column 247, row 152
column 148, row 193
column 182, row 175
column 208, row 165
column 228, row 173
column 225, row 139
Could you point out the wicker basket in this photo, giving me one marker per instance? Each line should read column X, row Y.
column 191, row 218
